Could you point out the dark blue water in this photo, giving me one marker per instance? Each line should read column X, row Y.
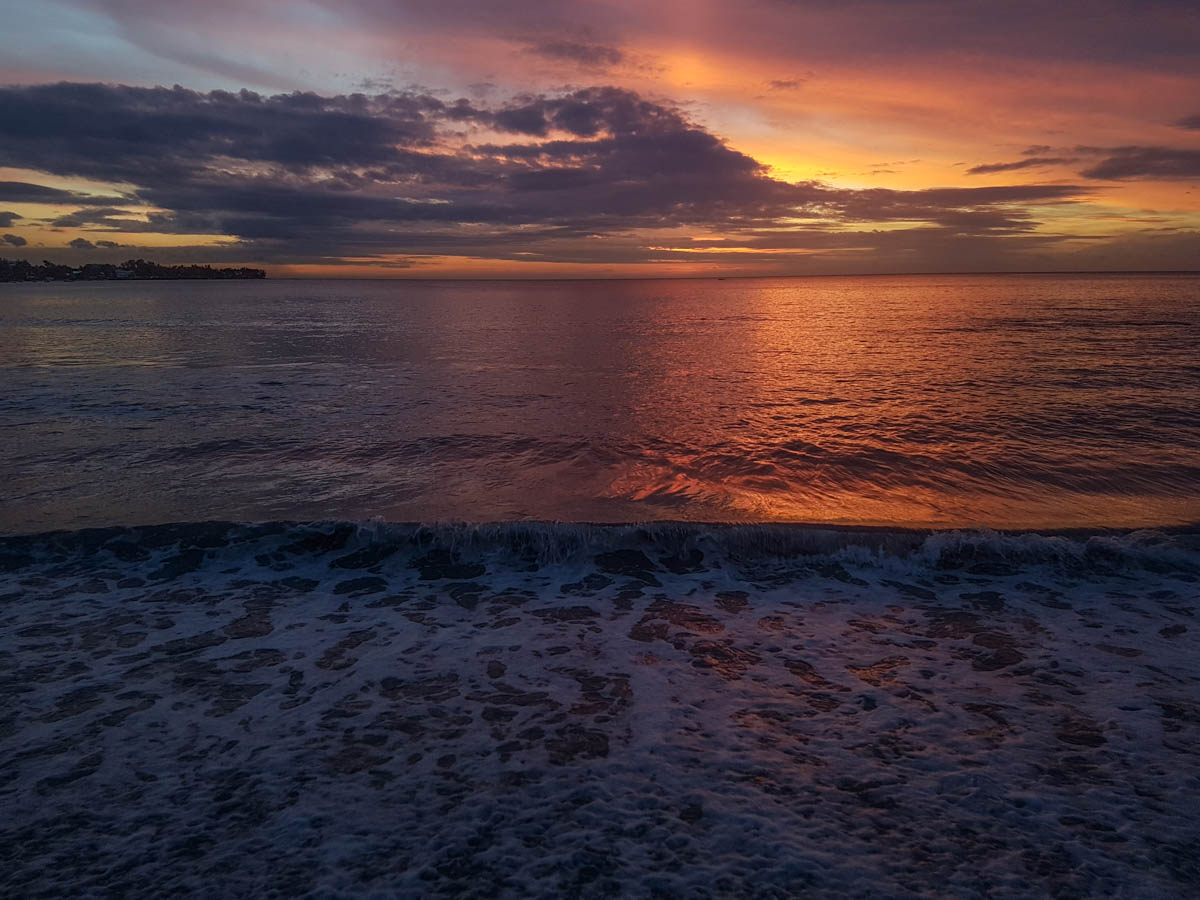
column 1003, row 401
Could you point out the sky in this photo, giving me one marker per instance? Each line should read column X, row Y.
column 603, row 138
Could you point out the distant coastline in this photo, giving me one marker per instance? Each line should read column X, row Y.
column 130, row 270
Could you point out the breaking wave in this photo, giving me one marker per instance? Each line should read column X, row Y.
column 675, row 545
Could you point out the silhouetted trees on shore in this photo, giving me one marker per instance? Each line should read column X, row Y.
column 22, row 270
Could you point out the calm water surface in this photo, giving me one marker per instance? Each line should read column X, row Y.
column 1004, row 401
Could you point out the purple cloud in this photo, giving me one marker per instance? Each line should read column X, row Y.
column 1032, row 162
column 1146, row 162
column 297, row 176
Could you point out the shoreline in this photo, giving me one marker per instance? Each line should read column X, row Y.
column 673, row 528
column 341, row 709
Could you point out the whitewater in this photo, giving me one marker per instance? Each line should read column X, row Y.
column 538, row 709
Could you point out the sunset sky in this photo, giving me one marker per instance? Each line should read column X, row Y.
column 603, row 138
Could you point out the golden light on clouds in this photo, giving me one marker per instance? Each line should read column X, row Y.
column 593, row 139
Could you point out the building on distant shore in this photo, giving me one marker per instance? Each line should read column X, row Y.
column 23, row 270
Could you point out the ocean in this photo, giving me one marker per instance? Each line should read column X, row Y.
column 1010, row 401
column 836, row 587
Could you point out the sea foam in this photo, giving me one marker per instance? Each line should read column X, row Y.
column 578, row 710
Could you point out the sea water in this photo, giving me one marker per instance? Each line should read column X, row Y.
column 838, row 680
column 1015, row 401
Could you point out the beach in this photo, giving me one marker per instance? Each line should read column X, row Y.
column 565, row 710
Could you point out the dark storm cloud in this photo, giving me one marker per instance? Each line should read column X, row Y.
column 15, row 240
column 1146, row 162
column 1031, row 162
column 82, row 244
column 354, row 175
column 7, row 219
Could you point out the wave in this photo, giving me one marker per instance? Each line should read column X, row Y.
column 672, row 544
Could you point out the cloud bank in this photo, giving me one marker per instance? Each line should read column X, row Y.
column 592, row 175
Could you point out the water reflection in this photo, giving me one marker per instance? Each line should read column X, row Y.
column 1011, row 401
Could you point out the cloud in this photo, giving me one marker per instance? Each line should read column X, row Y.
column 15, row 240
column 82, row 244
column 102, row 215
column 112, row 131
column 583, row 53
column 24, row 192
column 108, row 245
column 1113, row 163
column 1151, row 250
column 585, row 174
column 1032, row 162
column 1192, row 122
column 1146, row 162
column 606, row 153
column 7, row 219
column 961, row 210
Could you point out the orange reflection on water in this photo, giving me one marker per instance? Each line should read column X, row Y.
column 1006, row 402
column 920, row 402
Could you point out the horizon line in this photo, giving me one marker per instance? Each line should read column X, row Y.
column 727, row 277
column 713, row 277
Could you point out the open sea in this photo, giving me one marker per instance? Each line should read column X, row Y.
column 1039, row 401
column 829, row 587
